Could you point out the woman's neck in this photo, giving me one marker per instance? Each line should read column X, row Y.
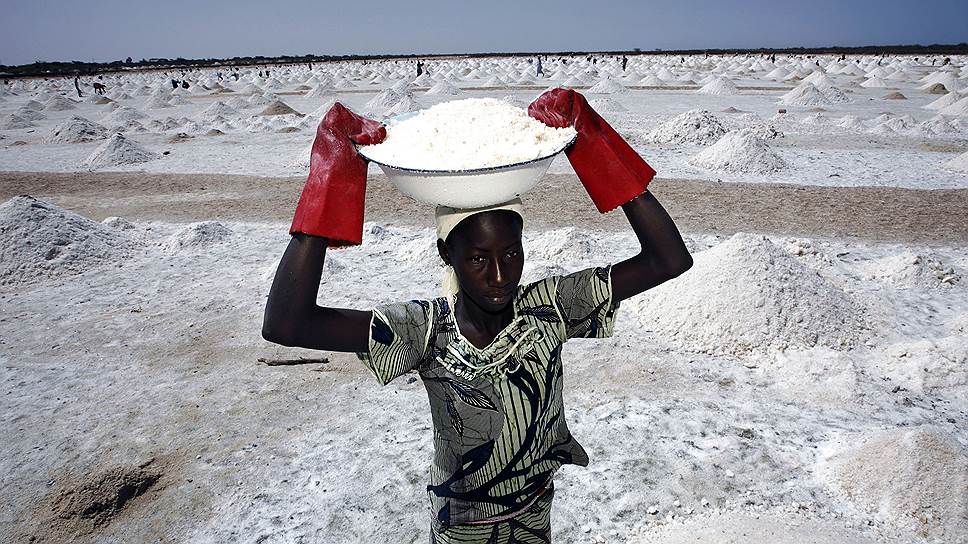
column 477, row 324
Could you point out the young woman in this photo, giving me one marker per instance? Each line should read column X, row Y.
column 489, row 351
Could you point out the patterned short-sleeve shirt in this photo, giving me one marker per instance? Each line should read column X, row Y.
column 499, row 427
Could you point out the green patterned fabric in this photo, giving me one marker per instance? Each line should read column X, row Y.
column 533, row 526
column 499, row 427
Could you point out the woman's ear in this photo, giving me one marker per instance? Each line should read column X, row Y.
column 442, row 251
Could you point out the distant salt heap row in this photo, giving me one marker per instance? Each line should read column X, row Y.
column 468, row 134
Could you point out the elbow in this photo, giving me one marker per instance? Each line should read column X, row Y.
column 680, row 266
column 272, row 333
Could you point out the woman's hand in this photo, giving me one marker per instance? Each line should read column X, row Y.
column 611, row 171
column 332, row 201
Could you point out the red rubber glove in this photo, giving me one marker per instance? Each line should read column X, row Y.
column 331, row 204
column 611, row 171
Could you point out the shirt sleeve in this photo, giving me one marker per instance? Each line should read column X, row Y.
column 398, row 339
column 584, row 300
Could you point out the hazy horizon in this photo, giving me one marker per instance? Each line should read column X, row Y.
column 112, row 30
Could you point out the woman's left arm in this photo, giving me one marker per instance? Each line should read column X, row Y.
column 663, row 255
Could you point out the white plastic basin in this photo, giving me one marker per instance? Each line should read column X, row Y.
column 468, row 188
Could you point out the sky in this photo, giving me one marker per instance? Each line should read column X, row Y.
column 108, row 30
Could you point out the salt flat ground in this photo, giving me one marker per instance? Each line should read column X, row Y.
column 806, row 381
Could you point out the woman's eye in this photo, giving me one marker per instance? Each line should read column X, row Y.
column 477, row 259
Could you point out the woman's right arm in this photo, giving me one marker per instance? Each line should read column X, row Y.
column 329, row 213
column 292, row 317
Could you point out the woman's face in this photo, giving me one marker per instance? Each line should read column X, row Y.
column 486, row 253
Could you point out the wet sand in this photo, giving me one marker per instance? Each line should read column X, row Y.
column 930, row 217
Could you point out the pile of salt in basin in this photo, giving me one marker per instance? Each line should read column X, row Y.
column 467, row 134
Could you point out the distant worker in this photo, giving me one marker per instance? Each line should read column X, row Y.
column 184, row 84
column 538, row 71
column 419, row 68
column 98, row 87
column 77, row 86
column 625, row 61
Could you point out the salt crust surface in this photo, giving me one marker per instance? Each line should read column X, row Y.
column 747, row 294
column 39, row 240
column 739, row 438
column 467, row 134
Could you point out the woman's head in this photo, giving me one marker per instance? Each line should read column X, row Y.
column 484, row 248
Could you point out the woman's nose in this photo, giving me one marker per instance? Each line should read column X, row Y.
column 499, row 273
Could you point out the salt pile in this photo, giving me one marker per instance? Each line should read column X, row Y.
column 607, row 86
column 746, row 294
column 14, row 121
column 118, row 151
column 278, row 107
column 719, row 86
column 197, row 235
column 39, row 240
column 739, row 151
column 445, row 87
column 943, row 102
column 607, row 105
column 958, row 164
column 467, row 134
column 569, row 246
column 219, row 108
column 405, row 104
column 385, row 99
column 804, row 95
column 60, row 103
column 915, row 477
column 959, row 108
column 76, row 130
column 693, row 127
column 908, row 270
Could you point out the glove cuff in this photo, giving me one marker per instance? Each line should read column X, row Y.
column 611, row 171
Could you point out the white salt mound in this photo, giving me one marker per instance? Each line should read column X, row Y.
column 719, row 86
column 745, row 295
column 607, row 86
column 76, row 130
column 607, row 105
column 14, row 121
column 197, row 235
column 445, row 87
column 39, row 240
column 958, row 164
column 468, row 134
column 118, row 151
column 385, row 99
column 118, row 223
column 805, row 95
column 739, row 151
column 693, row 127
column 915, row 477
column 569, row 247
column 908, row 270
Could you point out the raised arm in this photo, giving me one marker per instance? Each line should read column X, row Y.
column 329, row 213
column 663, row 254
column 292, row 317
column 615, row 175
